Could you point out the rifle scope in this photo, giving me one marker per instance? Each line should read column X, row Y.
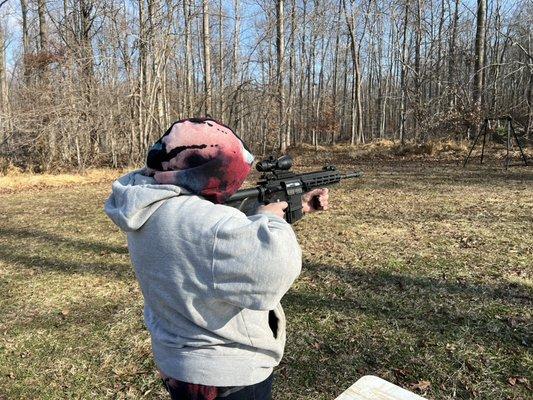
column 283, row 163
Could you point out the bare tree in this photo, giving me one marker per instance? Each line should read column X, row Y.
column 403, row 78
column 452, row 54
column 121, row 71
column 25, row 37
column 477, row 92
column 189, row 86
column 357, row 112
column 221, row 102
column 280, row 46
column 235, row 91
column 208, row 102
column 4, row 102
column 43, row 28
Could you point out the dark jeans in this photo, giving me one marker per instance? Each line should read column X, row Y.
column 259, row 391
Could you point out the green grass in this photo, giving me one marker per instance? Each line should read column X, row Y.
column 419, row 272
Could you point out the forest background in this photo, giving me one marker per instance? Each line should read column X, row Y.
column 93, row 83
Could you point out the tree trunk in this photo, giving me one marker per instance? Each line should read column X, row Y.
column 477, row 93
column 345, row 89
column 439, row 50
column 87, row 59
column 221, row 103
column 189, row 86
column 357, row 131
column 292, row 74
column 208, row 102
column 529, row 99
column 142, row 80
column 43, row 29
column 4, row 103
column 403, row 77
column 452, row 57
column 25, row 38
column 418, row 45
column 335, row 78
column 280, row 46
column 234, row 108
column 358, row 104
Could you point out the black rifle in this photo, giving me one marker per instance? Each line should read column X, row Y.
column 279, row 184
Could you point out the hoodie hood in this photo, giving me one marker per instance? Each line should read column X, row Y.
column 135, row 197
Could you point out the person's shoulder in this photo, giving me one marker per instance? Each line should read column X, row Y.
column 198, row 210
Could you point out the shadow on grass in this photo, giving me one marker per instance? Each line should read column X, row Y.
column 96, row 314
column 504, row 291
column 360, row 322
column 14, row 251
column 422, row 304
column 398, row 173
column 78, row 244
column 119, row 270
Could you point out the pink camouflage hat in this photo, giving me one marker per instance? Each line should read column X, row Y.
column 201, row 155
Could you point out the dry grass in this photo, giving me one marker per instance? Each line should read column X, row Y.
column 420, row 272
column 16, row 180
column 432, row 150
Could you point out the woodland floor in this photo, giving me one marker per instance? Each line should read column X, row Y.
column 421, row 273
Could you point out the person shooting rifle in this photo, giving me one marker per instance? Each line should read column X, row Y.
column 212, row 277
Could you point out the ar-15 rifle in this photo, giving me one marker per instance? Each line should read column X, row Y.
column 279, row 184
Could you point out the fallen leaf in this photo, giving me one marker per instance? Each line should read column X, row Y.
column 513, row 380
column 421, row 385
column 450, row 347
column 400, row 372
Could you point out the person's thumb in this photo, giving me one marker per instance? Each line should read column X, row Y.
column 283, row 204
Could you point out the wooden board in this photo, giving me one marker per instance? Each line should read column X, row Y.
column 373, row 388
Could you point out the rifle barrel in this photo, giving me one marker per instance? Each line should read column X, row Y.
column 254, row 192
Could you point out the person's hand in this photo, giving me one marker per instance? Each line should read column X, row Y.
column 315, row 200
column 277, row 208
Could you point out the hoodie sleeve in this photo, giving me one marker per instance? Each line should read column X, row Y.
column 255, row 260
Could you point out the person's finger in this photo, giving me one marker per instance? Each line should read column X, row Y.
column 311, row 194
column 283, row 204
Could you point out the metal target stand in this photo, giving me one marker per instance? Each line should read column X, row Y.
column 511, row 133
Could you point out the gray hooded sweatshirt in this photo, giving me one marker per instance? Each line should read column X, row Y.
column 211, row 278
